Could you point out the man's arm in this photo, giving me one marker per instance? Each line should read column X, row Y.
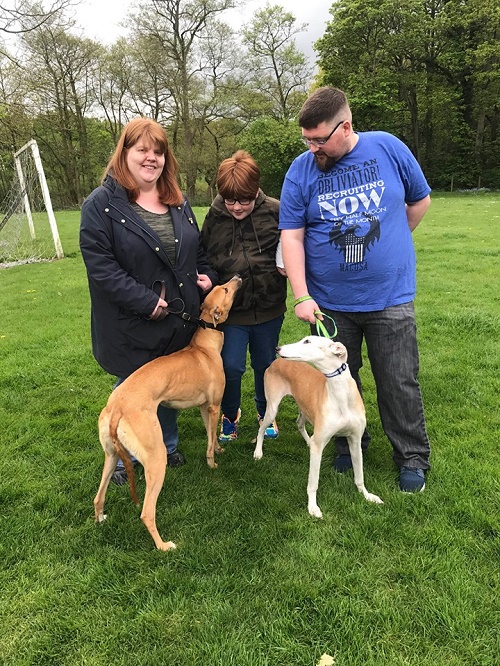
column 292, row 241
column 416, row 211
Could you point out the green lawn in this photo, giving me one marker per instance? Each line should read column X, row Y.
column 255, row 580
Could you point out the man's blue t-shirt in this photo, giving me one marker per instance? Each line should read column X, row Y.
column 358, row 246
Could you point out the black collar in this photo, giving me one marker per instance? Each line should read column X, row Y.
column 200, row 322
column 337, row 372
column 183, row 315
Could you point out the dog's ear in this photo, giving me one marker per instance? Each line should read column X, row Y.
column 339, row 350
column 216, row 315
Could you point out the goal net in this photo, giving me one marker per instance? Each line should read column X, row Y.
column 28, row 229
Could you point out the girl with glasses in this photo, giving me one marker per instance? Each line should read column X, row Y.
column 240, row 235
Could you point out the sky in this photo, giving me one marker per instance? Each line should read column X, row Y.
column 100, row 19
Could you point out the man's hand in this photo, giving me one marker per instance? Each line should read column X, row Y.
column 305, row 311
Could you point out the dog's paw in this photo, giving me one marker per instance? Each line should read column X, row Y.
column 315, row 511
column 166, row 545
column 101, row 518
column 257, row 455
column 373, row 498
column 369, row 496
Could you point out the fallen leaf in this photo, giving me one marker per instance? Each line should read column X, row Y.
column 326, row 660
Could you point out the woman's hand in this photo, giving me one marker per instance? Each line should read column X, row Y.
column 204, row 282
column 159, row 310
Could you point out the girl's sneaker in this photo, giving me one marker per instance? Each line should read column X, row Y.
column 229, row 429
column 271, row 431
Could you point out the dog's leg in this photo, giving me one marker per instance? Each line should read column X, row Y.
column 217, row 447
column 301, row 425
column 154, row 472
column 110, row 460
column 273, row 402
column 316, row 446
column 357, row 466
column 154, row 483
column 258, row 451
column 275, row 390
column 210, row 415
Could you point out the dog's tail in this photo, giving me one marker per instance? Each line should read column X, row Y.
column 122, row 452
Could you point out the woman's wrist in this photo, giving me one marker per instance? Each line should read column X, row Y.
column 151, row 316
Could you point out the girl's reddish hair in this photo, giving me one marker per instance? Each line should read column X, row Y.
column 238, row 177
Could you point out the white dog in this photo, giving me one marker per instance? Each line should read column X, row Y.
column 327, row 397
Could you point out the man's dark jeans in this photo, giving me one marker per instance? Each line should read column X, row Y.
column 391, row 342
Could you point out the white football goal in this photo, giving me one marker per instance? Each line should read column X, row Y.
column 28, row 228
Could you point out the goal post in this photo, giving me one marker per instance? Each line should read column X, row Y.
column 28, row 227
column 45, row 192
column 26, row 201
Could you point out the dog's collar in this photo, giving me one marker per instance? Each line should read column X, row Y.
column 161, row 313
column 184, row 315
column 201, row 322
column 337, row 372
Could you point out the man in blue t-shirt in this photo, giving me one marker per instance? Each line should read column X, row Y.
column 348, row 209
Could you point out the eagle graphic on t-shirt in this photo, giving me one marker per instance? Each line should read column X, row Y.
column 354, row 237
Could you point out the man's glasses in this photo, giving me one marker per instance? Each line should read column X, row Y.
column 321, row 142
column 242, row 202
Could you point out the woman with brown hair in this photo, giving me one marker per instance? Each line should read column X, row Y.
column 145, row 263
column 240, row 235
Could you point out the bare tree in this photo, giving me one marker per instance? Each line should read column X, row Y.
column 177, row 29
column 112, row 86
column 152, row 80
column 278, row 69
column 23, row 16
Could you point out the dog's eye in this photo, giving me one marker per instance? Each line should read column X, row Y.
column 226, row 290
column 307, row 342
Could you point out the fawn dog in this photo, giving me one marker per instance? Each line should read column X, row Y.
column 191, row 377
column 327, row 397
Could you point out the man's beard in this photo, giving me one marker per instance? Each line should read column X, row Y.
column 324, row 162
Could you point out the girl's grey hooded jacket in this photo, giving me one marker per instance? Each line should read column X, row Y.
column 247, row 247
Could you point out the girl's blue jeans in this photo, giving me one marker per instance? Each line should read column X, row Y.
column 261, row 341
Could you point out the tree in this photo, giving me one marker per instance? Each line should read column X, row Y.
column 180, row 64
column 376, row 50
column 423, row 70
column 23, row 16
column 15, row 124
column 279, row 71
column 112, row 86
column 274, row 144
column 469, row 59
column 59, row 71
column 177, row 30
column 150, row 80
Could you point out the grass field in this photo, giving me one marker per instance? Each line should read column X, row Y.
column 255, row 580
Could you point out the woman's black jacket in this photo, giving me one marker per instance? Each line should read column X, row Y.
column 126, row 266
